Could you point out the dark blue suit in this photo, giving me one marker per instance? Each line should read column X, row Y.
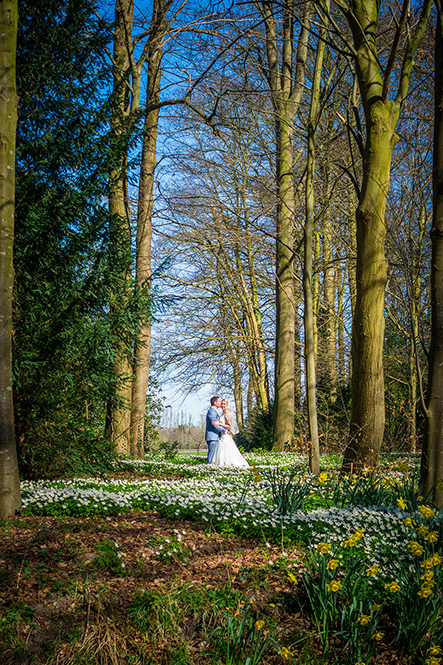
column 213, row 432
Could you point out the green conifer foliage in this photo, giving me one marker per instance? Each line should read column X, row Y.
column 65, row 275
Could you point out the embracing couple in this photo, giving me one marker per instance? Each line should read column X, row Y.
column 221, row 446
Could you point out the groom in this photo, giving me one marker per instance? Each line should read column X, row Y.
column 214, row 428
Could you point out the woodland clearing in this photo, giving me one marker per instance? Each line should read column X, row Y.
column 102, row 581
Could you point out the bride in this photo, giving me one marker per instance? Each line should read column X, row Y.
column 227, row 453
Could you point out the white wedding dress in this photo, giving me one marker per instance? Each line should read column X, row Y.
column 227, row 453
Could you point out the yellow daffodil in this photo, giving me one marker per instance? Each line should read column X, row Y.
column 350, row 542
column 433, row 661
column 332, row 564
column 334, row 586
column 432, row 561
column 364, row 619
column 259, row 624
column 434, row 650
column 286, row 654
column 416, row 548
column 393, row 586
column 292, row 578
column 323, row 548
column 420, row 498
column 358, row 535
column 423, row 530
column 409, row 522
column 375, row 607
column 323, row 477
column 426, row 512
column 432, row 537
column 378, row 636
column 373, row 570
column 403, row 467
column 401, row 503
column 425, row 591
column 428, row 576
column 427, row 563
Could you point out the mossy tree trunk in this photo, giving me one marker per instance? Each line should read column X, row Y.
column 142, row 351
column 381, row 115
column 10, row 500
column 120, row 222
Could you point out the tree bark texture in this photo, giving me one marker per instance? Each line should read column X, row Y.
column 144, row 226
column 329, row 363
column 432, row 454
column 309, row 314
column 381, row 115
column 368, row 409
column 119, row 210
column 238, row 389
column 10, row 500
column 286, row 92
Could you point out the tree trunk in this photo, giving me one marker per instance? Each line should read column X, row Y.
column 286, row 92
column 412, row 392
column 250, row 395
column 10, row 500
column 329, row 373
column 432, row 454
column 415, row 254
column 257, row 323
column 144, row 228
column 340, row 327
column 368, row 407
column 238, row 392
column 285, row 304
column 381, row 115
column 309, row 314
column 120, row 226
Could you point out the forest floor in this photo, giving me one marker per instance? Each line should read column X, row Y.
column 141, row 589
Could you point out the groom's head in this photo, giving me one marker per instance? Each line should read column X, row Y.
column 215, row 401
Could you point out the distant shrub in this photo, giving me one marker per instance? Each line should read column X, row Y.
column 258, row 430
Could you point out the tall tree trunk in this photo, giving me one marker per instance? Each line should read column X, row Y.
column 368, row 407
column 285, row 304
column 120, row 224
column 250, row 394
column 298, row 350
column 330, row 364
column 412, row 392
column 381, row 114
column 415, row 254
column 257, row 323
column 340, row 327
column 10, row 500
column 315, row 282
column 144, row 227
column 309, row 314
column 432, row 454
column 238, row 391
column 350, row 272
column 286, row 92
